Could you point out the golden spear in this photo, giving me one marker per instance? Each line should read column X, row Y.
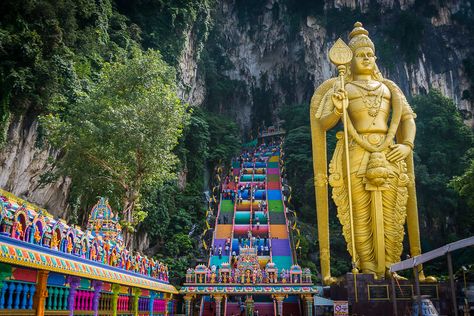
column 340, row 55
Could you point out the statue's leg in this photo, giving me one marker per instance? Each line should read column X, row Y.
column 361, row 208
column 413, row 225
column 363, row 232
column 394, row 207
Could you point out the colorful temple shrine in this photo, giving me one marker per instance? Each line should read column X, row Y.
column 50, row 268
column 252, row 264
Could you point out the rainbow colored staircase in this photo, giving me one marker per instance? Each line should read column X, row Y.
column 235, row 220
column 251, row 263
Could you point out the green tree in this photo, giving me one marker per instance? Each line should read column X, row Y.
column 442, row 140
column 464, row 184
column 123, row 133
column 51, row 48
column 224, row 138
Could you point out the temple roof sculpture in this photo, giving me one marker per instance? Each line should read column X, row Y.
column 101, row 244
column 102, row 222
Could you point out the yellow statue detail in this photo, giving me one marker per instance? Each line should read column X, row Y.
column 380, row 161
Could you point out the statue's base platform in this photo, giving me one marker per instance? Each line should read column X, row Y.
column 367, row 296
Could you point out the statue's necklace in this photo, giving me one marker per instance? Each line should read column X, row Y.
column 366, row 86
column 373, row 105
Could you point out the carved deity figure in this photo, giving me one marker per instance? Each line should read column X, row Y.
column 69, row 245
column 37, row 236
column 380, row 125
column 55, row 241
column 18, row 230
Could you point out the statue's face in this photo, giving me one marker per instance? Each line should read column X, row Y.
column 363, row 62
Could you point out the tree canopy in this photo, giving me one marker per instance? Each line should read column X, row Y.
column 441, row 147
column 122, row 134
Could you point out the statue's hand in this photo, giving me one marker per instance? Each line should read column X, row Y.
column 340, row 100
column 398, row 152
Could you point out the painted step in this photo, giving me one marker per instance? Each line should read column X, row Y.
column 259, row 194
column 242, row 217
column 273, row 171
column 274, row 195
column 281, row 247
column 273, row 164
column 223, row 231
column 227, row 206
column 282, row 262
column 225, row 218
column 261, row 217
column 215, row 260
column 278, row 231
column 277, row 218
column 273, row 178
column 273, row 185
column 275, row 206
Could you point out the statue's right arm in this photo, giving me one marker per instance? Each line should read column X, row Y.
column 330, row 115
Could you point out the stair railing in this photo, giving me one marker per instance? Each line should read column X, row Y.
column 269, row 240
column 235, row 208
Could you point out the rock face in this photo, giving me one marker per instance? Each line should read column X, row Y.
column 277, row 56
column 191, row 86
column 23, row 164
column 286, row 59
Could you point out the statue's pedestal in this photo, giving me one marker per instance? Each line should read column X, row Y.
column 367, row 296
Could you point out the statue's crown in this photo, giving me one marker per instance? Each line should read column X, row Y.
column 359, row 37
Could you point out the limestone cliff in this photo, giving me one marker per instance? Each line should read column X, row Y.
column 23, row 164
column 280, row 48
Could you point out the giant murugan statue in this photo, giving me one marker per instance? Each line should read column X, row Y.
column 371, row 171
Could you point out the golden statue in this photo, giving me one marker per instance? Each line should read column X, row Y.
column 55, row 241
column 376, row 146
column 37, row 236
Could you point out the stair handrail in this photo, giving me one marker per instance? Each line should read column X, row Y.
column 251, row 203
column 283, row 202
column 215, row 226
column 236, row 196
column 216, row 222
column 268, row 214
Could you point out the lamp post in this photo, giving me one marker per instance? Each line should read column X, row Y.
column 466, row 303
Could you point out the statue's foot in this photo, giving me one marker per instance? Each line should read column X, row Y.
column 329, row 280
column 427, row 279
column 395, row 275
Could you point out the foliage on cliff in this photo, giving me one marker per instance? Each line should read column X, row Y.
column 52, row 49
column 53, row 54
column 441, row 152
column 166, row 25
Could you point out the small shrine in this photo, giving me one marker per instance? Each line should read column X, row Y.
column 247, row 271
column 102, row 222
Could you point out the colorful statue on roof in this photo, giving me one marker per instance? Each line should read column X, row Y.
column 18, row 228
column 55, row 241
column 37, row 236
column 102, row 222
